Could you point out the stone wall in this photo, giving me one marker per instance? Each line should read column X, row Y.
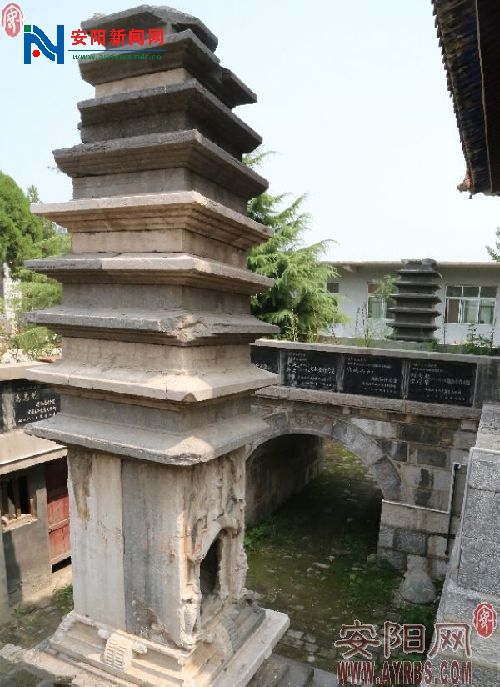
column 410, row 450
column 277, row 470
column 25, row 568
column 390, row 373
column 27, row 554
column 412, row 530
column 473, row 575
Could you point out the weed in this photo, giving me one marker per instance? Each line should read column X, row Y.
column 259, row 533
column 63, row 599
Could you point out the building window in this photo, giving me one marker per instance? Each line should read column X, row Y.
column 17, row 502
column 332, row 287
column 470, row 304
column 378, row 304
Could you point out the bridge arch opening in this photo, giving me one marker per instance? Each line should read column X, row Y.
column 283, row 466
column 313, row 427
column 314, row 517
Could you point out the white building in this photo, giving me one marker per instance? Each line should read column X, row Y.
column 469, row 293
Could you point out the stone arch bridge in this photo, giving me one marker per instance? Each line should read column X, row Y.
column 411, row 417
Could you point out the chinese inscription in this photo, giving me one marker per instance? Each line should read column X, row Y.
column 117, row 37
column 34, row 403
column 373, row 376
column 436, row 381
column 266, row 358
column 311, row 370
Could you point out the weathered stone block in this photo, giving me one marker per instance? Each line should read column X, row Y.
column 404, row 516
column 458, row 455
column 469, row 426
column 463, row 440
column 410, row 542
column 484, row 471
column 396, row 558
column 436, row 546
column 432, row 456
column 419, row 433
column 482, row 514
column 377, row 428
column 438, row 567
column 386, row 537
column 397, row 450
column 479, row 564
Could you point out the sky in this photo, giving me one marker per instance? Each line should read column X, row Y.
column 352, row 99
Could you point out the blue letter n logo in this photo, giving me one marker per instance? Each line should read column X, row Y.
column 38, row 37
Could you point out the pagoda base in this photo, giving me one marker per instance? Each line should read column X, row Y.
column 88, row 654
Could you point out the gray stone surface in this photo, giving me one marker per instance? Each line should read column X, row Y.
column 162, row 109
column 188, row 150
column 386, row 537
column 189, row 211
column 396, row 558
column 277, row 470
column 153, row 269
column 157, row 16
column 488, row 367
column 434, row 410
column 417, row 586
column 184, row 53
column 473, row 575
column 410, row 541
column 26, row 548
column 432, row 456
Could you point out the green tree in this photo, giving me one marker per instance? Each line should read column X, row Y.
column 20, row 231
column 298, row 301
column 495, row 252
column 24, row 236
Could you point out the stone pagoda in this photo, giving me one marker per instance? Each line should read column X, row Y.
column 156, row 379
column 415, row 311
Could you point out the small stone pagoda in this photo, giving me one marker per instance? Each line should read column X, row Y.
column 415, row 301
column 156, row 379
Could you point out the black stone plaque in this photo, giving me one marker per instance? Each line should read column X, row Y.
column 33, row 402
column 370, row 375
column 266, row 358
column 311, row 370
column 439, row 381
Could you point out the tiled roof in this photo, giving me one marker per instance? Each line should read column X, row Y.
column 457, row 29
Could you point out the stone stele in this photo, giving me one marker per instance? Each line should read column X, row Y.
column 156, row 379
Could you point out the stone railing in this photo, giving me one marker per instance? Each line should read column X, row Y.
column 426, row 377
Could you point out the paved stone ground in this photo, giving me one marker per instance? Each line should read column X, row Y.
column 30, row 625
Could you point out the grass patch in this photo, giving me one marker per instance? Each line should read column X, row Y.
column 63, row 599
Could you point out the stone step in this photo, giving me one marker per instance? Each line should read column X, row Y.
column 298, row 675
column 279, row 671
column 324, row 679
column 271, row 673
